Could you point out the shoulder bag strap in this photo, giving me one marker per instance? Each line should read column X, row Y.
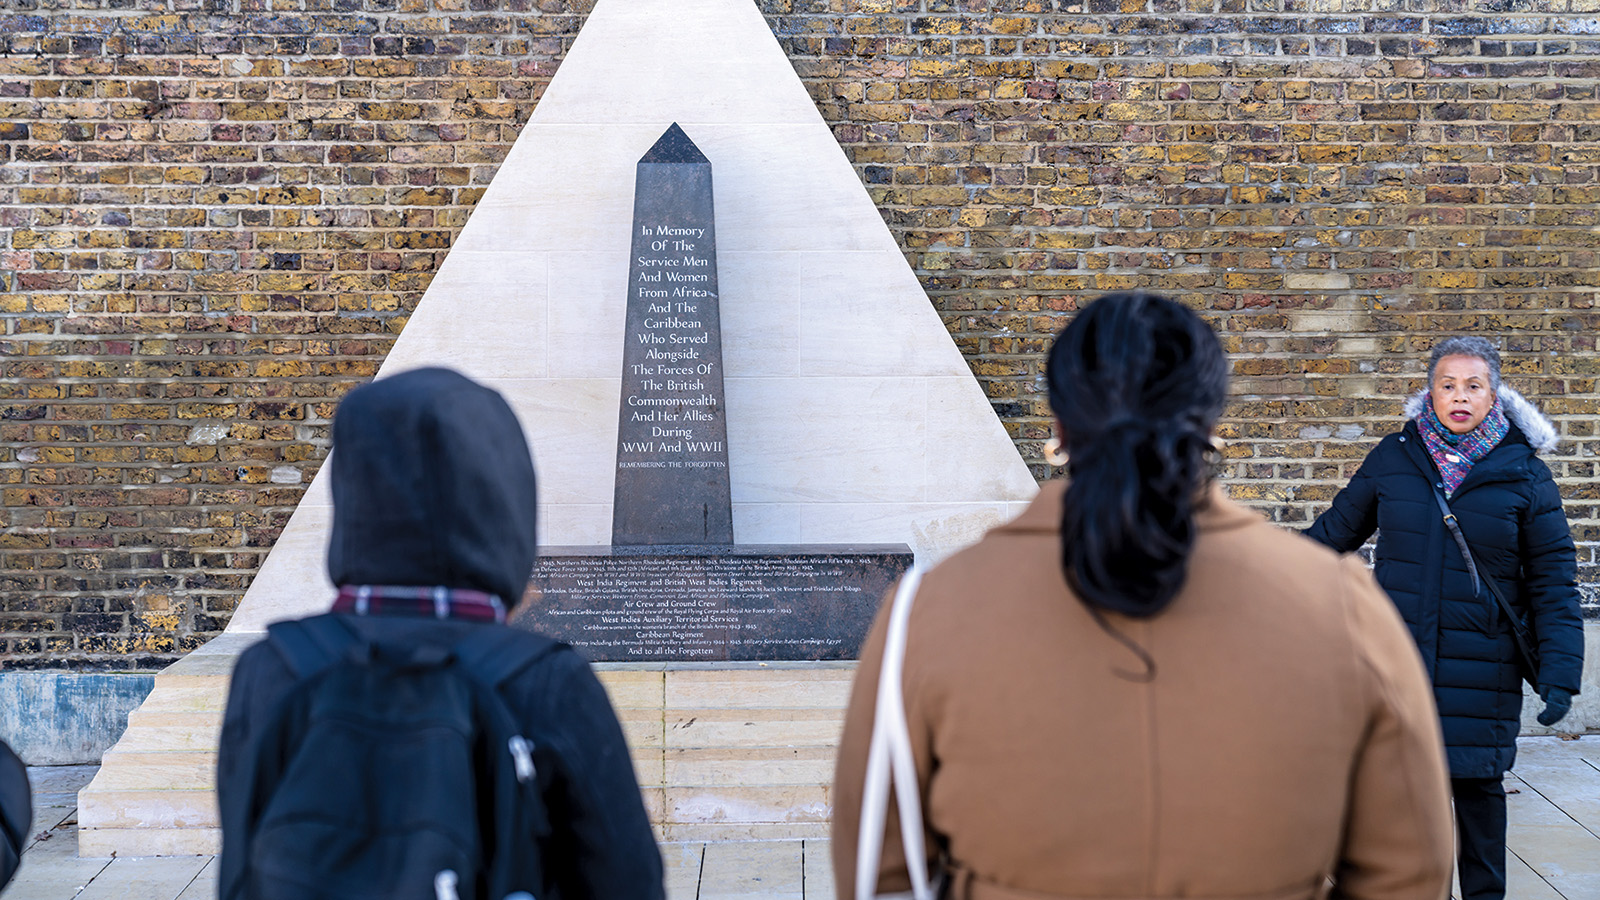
column 1484, row 584
column 1461, row 540
column 890, row 764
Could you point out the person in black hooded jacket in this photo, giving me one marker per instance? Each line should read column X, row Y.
column 1476, row 441
column 433, row 487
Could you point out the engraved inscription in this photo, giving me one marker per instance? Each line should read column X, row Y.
column 712, row 607
column 675, row 377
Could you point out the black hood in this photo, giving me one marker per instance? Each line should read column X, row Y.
column 432, row 485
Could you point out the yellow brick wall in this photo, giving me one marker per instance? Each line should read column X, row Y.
column 215, row 216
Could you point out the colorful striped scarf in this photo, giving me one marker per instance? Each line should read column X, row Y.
column 1453, row 453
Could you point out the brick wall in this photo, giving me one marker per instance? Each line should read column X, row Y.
column 215, row 216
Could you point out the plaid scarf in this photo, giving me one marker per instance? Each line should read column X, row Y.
column 435, row 602
column 1453, row 453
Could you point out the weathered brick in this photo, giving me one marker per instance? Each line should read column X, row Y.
column 206, row 237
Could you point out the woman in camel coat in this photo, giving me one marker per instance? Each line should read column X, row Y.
column 1141, row 689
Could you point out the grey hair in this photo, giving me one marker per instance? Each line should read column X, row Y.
column 1476, row 347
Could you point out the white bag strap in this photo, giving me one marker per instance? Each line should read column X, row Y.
column 889, row 762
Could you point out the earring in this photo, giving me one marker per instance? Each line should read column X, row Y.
column 1053, row 454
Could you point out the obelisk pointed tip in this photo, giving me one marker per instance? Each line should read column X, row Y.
column 674, row 147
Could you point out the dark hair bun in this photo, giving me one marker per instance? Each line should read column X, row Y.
column 1137, row 381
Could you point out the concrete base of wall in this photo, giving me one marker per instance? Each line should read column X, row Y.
column 67, row 718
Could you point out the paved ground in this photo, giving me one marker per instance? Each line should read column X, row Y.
column 1554, row 840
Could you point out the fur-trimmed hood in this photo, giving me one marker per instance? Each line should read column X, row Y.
column 1539, row 430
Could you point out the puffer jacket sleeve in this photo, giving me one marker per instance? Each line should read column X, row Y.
column 1353, row 517
column 1549, row 584
column 1399, row 838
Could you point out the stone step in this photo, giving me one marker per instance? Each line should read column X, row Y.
column 192, row 808
column 176, row 735
column 135, row 842
column 722, row 752
column 153, row 770
column 824, row 687
column 630, row 688
column 749, row 766
column 643, row 728
column 744, row 812
column 754, row 727
column 145, row 717
column 186, row 698
column 743, row 831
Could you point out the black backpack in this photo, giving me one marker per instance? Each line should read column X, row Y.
column 397, row 773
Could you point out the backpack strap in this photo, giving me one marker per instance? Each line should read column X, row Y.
column 490, row 657
column 311, row 645
column 494, row 655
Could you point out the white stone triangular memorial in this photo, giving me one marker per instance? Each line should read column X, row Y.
column 852, row 416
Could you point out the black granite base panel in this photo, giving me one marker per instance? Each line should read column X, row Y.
column 696, row 604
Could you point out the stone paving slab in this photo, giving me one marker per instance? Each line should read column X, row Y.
column 1578, row 887
column 1523, row 883
column 55, row 794
column 1569, row 781
column 1554, row 842
column 1528, row 809
column 817, row 866
column 1555, row 819
column 750, row 869
column 683, row 862
column 204, row 886
column 152, row 877
column 59, row 878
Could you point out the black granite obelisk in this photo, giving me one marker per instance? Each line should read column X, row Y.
column 672, row 439
column 673, row 586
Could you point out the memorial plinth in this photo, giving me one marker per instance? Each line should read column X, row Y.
column 741, row 603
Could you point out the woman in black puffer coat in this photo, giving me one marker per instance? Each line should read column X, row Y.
column 1475, row 440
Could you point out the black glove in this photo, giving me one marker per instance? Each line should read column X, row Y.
column 1557, row 703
